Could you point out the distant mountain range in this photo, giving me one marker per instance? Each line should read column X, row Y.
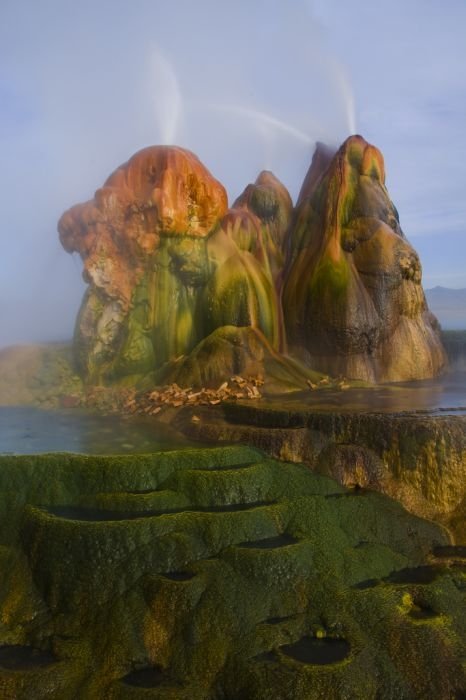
column 449, row 305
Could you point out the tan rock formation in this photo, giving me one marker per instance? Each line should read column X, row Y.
column 353, row 296
column 167, row 264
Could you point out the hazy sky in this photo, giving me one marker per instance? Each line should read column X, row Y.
column 246, row 85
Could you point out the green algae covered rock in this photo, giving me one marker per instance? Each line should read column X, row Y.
column 352, row 295
column 167, row 263
column 232, row 350
column 417, row 458
column 219, row 573
column 333, row 280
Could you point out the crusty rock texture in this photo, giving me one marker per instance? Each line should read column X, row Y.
column 415, row 458
column 219, row 573
column 266, row 203
column 158, row 192
column 168, row 265
column 353, row 297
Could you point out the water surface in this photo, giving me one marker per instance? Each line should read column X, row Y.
column 25, row 430
column 444, row 394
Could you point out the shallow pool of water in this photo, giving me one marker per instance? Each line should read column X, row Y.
column 444, row 394
column 25, row 430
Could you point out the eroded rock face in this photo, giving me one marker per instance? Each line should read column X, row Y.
column 159, row 192
column 167, row 264
column 353, row 297
column 268, row 204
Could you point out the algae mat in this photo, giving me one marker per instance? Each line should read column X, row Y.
column 219, row 573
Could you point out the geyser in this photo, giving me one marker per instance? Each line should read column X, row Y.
column 266, row 121
column 352, row 296
column 167, row 97
column 181, row 287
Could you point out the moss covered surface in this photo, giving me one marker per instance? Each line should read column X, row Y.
column 330, row 281
column 218, row 573
column 416, row 458
column 231, row 351
column 352, row 294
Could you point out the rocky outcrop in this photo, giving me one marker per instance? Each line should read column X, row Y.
column 232, row 351
column 159, row 192
column 168, row 265
column 353, row 298
column 268, row 204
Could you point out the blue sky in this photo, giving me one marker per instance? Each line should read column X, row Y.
column 246, row 85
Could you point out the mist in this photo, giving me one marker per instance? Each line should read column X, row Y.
column 245, row 85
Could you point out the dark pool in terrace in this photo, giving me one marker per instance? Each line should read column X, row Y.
column 145, row 678
column 310, row 650
column 17, row 657
column 422, row 612
column 278, row 620
column 450, row 551
column 270, row 542
column 420, row 574
column 102, row 515
column 178, row 575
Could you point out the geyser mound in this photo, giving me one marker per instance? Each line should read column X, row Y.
column 353, row 297
column 172, row 271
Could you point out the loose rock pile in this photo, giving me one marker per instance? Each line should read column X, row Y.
column 153, row 402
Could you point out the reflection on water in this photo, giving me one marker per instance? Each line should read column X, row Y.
column 25, row 430
column 445, row 394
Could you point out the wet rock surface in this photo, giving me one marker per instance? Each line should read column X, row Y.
column 183, row 289
column 352, row 296
column 415, row 458
column 168, row 265
column 255, row 583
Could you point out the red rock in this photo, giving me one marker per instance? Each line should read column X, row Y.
column 160, row 191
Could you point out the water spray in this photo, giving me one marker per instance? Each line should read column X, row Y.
column 341, row 81
column 167, row 97
column 268, row 120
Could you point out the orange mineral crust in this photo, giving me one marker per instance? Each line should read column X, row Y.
column 173, row 272
column 160, row 191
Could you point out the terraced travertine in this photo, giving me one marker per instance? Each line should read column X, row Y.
column 219, row 573
column 418, row 459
